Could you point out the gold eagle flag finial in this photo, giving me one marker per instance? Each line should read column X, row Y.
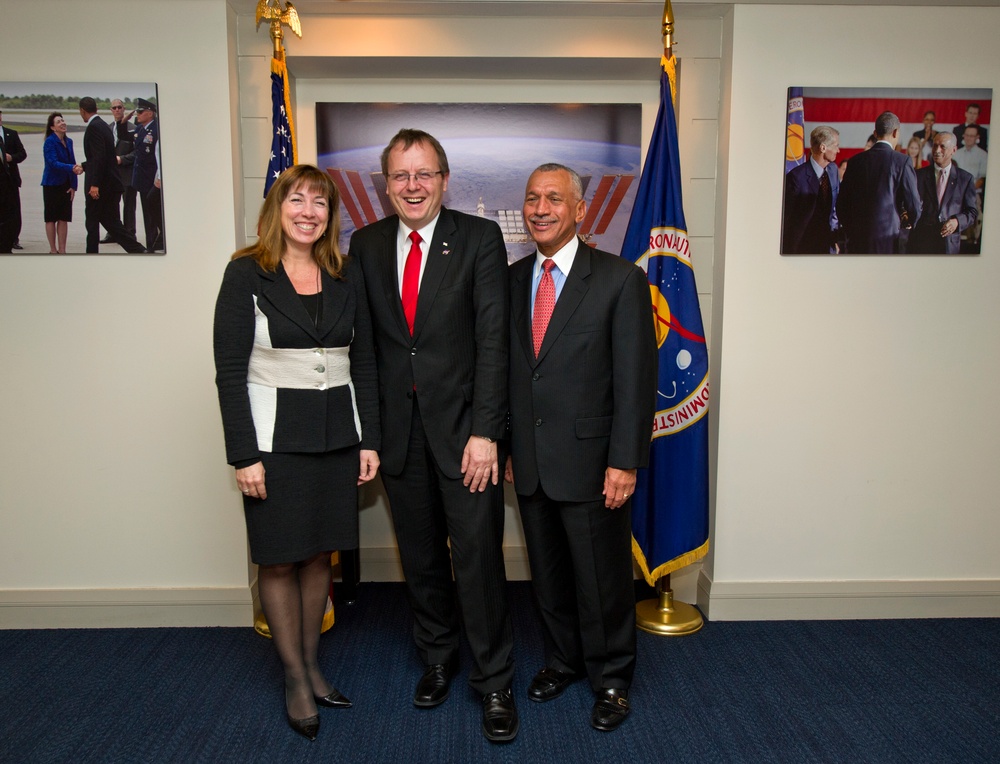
column 271, row 11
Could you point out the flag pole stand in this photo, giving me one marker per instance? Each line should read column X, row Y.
column 664, row 616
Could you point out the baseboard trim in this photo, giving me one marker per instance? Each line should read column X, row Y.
column 838, row 600
column 124, row 608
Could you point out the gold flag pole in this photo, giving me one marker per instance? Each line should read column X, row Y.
column 663, row 615
column 271, row 11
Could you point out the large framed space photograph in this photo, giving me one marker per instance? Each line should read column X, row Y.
column 492, row 149
column 917, row 190
column 48, row 183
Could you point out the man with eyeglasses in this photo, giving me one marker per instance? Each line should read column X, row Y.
column 125, row 157
column 146, row 173
column 437, row 288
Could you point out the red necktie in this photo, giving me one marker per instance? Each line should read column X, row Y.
column 545, row 303
column 411, row 280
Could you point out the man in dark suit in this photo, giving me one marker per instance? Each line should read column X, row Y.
column 12, row 153
column 972, row 120
column 810, row 224
column 124, row 135
column 878, row 190
column 582, row 397
column 102, row 183
column 437, row 287
column 948, row 201
column 146, row 173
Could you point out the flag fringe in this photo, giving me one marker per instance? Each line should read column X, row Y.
column 670, row 565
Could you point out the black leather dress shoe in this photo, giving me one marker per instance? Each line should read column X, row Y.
column 434, row 686
column 16, row 245
column 499, row 716
column 548, row 684
column 107, row 240
column 334, row 700
column 308, row 727
column 610, row 709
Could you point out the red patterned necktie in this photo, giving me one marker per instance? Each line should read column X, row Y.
column 411, row 280
column 545, row 303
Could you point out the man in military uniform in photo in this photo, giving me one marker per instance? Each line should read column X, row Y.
column 146, row 173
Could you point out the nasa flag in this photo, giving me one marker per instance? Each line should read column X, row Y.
column 670, row 504
column 795, row 132
column 283, row 135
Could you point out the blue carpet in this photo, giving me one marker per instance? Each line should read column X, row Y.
column 837, row 691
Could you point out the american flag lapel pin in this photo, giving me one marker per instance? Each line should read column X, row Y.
column 445, row 251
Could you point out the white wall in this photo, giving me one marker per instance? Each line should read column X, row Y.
column 855, row 397
column 116, row 505
column 856, row 433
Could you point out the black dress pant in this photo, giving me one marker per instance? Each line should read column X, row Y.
column 581, row 572
column 152, row 216
column 428, row 508
column 104, row 212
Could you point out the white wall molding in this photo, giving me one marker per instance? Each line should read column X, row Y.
column 835, row 600
column 124, row 608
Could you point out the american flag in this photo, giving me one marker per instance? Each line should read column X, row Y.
column 283, row 153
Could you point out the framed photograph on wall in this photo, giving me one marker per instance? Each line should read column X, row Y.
column 81, row 170
column 492, row 149
column 885, row 171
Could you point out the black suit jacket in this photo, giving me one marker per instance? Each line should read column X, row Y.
column 100, row 168
column 259, row 309
column 959, row 202
column 810, row 223
column 14, row 147
column 125, row 148
column 457, row 356
column 879, row 186
column 587, row 402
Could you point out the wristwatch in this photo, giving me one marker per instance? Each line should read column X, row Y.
column 488, row 440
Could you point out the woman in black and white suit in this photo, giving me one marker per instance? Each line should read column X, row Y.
column 295, row 369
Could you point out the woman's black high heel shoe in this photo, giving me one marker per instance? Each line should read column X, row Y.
column 308, row 727
column 333, row 700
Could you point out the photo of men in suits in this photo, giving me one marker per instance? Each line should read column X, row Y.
column 948, row 201
column 437, row 287
column 582, row 397
column 102, row 183
column 878, row 195
column 810, row 225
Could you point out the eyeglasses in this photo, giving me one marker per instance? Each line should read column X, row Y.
column 424, row 176
column 117, row 108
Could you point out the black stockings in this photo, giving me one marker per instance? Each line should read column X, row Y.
column 293, row 598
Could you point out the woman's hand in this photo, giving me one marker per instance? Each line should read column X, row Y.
column 369, row 466
column 72, row 194
column 250, row 480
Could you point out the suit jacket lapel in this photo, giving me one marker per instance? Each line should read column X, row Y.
column 572, row 294
column 384, row 258
column 520, row 293
column 334, row 301
column 281, row 294
column 949, row 188
column 440, row 255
